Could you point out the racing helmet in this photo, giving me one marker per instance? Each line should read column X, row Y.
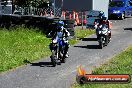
column 101, row 15
column 60, row 23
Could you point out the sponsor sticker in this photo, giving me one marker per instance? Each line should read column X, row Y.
column 82, row 77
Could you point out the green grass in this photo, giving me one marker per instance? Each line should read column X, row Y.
column 20, row 45
column 79, row 33
column 120, row 64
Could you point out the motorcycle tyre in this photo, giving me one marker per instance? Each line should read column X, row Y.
column 106, row 40
column 53, row 59
column 63, row 59
column 101, row 45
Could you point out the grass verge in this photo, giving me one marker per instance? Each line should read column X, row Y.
column 120, row 64
column 20, row 45
column 79, row 33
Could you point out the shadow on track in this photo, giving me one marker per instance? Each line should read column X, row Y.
column 129, row 17
column 42, row 64
column 89, row 47
column 128, row 29
column 116, row 18
column 88, row 39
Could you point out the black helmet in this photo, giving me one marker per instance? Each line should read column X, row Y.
column 60, row 23
column 101, row 15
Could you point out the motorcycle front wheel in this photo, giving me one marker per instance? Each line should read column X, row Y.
column 106, row 40
column 53, row 58
column 101, row 43
column 63, row 59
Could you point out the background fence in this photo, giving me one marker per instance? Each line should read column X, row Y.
column 50, row 11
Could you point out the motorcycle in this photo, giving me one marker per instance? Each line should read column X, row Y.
column 57, row 48
column 103, row 35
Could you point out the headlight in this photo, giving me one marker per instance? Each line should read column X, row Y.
column 104, row 29
column 99, row 32
column 100, row 26
column 116, row 11
column 54, row 41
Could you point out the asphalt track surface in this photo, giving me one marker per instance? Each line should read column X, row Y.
column 41, row 74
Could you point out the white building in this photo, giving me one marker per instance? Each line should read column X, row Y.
column 83, row 5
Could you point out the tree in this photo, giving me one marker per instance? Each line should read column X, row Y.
column 21, row 3
column 34, row 3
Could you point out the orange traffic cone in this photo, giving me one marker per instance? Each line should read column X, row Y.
column 64, row 14
column 110, row 24
column 77, row 18
column 70, row 16
column 51, row 13
column 41, row 14
column 74, row 15
column 45, row 13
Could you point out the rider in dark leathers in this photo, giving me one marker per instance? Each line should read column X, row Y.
column 62, row 34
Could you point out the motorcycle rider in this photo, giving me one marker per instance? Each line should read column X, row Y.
column 102, row 21
column 63, row 35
